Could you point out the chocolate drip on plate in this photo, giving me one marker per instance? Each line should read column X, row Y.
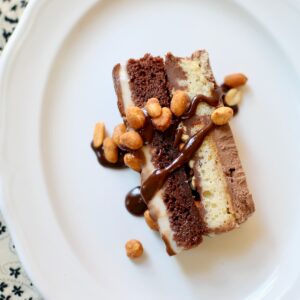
column 135, row 203
column 105, row 163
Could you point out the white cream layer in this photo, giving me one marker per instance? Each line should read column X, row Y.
column 125, row 89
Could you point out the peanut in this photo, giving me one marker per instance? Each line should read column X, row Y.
column 135, row 117
column 134, row 161
column 131, row 140
column 222, row 115
column 99, row 133
column 179, row 103
column 134, row 249
column 233, row 97
column 150, row 222
column 110, row 150
column 163, row 122
column 118, row 131
column 235, row 80
column 153, row 108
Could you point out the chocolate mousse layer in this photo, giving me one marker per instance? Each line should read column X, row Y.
column 241, row 199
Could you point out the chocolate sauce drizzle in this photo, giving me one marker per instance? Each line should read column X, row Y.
column 157, row 179
column 135, row 203
column 178, row 135
column 105, row 163
column 138, row 197
column 147, row 131
column 213, row 101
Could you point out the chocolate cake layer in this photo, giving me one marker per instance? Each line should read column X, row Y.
column 147, row 79
column 184, row 217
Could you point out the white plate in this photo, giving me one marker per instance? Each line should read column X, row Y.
column 67, row 215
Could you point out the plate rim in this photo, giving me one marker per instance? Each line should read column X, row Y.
column 14, row 45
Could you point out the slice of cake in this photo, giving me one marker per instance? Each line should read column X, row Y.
column 172, row 207
column 191, row 176
column 218, row 174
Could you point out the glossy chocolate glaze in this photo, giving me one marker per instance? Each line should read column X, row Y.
column 235, row 109
column 213, row 101
column 105, row 163
column 135, row 203
column 179, row 133
column 137, row 197
column 156, row 180
column 148, row 130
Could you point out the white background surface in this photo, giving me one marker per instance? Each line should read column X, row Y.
column 67, row 214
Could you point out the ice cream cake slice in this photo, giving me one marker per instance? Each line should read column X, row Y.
column 179, row 221
column 218, row 174
column 176, row 134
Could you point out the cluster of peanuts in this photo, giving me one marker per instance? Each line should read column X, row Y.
column 129, row 138
column 121, row 138
column 234, row 81
column 232, row 98
column 161, row 117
